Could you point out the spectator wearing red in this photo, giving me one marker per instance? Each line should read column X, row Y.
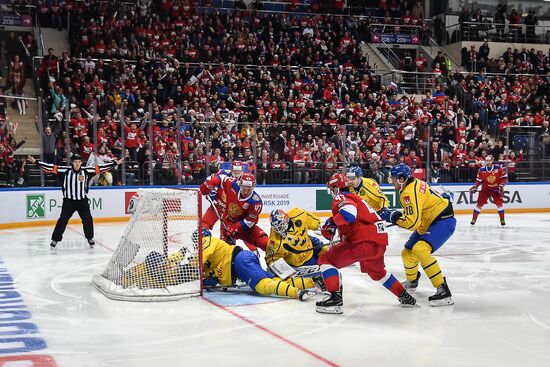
column 131, row 140
column 413, row 161
column 86, row 148
column 421, row 62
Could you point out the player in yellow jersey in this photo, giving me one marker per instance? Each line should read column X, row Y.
column 159, row 271
column 431, row 217
column 290, row 241
column 289, row 238
column 223, row 264
column 226, row 263
column 367, row 188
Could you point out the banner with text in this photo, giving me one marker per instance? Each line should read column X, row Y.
column 45, row 204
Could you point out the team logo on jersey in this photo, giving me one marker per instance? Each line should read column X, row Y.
column 491, row 179
column 407, row 199
column 234, row 210
column 81, row 177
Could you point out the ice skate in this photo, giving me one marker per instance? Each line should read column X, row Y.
column 406, row 299
column 305, row 294
column 411, row 286
column 442, row 297
column 319, row 282
column 332, row 304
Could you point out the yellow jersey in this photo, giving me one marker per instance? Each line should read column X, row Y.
column 422, row 206
column 216, row 260
column 370, row 191
column 297, row 238
column 144, row 277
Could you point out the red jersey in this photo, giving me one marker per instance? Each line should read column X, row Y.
column 357, row 221
column 246, row 210
column 491, row 178
column 132, row 137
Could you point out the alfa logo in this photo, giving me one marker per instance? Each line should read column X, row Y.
column 36, row 206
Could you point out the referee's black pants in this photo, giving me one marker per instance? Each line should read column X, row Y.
column 67, row 210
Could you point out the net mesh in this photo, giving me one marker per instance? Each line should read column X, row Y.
column 156, row 258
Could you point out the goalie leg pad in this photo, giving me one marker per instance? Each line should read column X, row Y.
column 276, row 286
column 301, row 282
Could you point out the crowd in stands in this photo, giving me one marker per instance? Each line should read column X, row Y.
column 506, row 25
column 306, row 111
column 517, row 61
column 19, row 50
column 12, row 171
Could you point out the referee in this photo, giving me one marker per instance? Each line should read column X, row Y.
column 75, row 188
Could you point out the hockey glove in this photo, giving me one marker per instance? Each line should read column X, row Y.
column 473, row 189
column 389, row 215
column 206, row 188
column 328, row 230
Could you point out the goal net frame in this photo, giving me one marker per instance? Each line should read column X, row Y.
column 105, row 282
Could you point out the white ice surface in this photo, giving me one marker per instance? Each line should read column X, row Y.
column 500, row 279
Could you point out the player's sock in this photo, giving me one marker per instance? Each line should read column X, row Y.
column 392, row 284
column 501, row 215
column 269, row 286
column 410, row 263
column 475, row 215
column 423, row 252
column 301, row 282
column 331, row 277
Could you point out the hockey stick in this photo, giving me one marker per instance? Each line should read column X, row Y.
column 332, row 242
column 231, row 239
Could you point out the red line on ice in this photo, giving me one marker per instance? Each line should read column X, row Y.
column 248, row 321
column 274, row 334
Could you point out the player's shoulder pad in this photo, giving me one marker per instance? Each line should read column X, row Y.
column 370, row 182
column 293, row 212
column 255, row 198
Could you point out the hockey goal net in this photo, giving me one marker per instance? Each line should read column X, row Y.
column 156, row 259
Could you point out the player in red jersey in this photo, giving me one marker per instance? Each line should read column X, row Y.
column 363, row 239
column 210, row 217
column 492, row 179
column 242, row 209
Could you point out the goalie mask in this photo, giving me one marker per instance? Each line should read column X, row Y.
column 279, row 221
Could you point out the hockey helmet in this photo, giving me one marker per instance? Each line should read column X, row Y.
column 237, row 169
column 195, row 236
column 337, row 182
column 401, row 170
column 354, row 171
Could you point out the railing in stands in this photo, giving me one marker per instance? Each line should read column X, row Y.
column 498, row 32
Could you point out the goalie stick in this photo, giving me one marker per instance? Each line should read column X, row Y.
column 231, row 239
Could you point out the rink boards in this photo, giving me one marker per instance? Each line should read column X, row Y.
column 42, row 206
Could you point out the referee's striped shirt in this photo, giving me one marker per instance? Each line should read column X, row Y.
column 75, row 183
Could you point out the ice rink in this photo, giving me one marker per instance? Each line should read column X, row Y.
column 499, row 276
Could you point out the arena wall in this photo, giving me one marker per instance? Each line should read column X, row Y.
column 42, row 206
